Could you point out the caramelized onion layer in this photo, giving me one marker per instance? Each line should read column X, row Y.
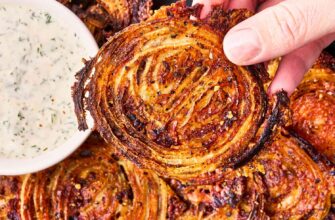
column 235, row 196
column 163, row 91
column 106, row 17
column 91, row 184
column 163, row 94
column 281, row 182
column 313, row 106
column 298, row 187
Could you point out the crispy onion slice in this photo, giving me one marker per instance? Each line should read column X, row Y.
column 233, row 197
column 281, row 182
column 163, row 91
column 313, row 106
column 298, row 187
column 106, row 17
column 9, row 197
column 92, row 184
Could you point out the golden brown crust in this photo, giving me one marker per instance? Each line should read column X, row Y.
column 9, row 197
column 92, row 184
column 235, row 196
column 298, row 187
column 287, row 179
column 106, row 17
column 163, row 91
column 281, row 182
column 313, row 105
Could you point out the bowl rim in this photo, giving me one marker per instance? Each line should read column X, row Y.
column 20, row 166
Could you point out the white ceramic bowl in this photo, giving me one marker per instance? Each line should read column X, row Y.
column 52, row 157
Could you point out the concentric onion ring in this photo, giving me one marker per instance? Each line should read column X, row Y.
column 313, row 106
column 92, row 184
column 163, row 91
column 298, row 187
column 281, row 182
column 106, row 17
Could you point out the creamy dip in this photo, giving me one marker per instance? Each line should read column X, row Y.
column 38, row 59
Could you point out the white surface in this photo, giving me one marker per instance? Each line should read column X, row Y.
column 52, row 157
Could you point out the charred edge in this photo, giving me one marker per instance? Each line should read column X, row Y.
column 177, row 205
column 223, row 20
column 244, row 156
column 257, row 72
column 310, row 149
column 275, row 118
column 325, row 60
column 129, row 192
column 331, row 214
column 120, row 14
column 78, row 94
column 179, row 10
column 260, row 71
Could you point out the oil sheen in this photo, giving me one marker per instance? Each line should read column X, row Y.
column 38, row 59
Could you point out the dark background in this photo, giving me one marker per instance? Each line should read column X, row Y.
column 158, row 3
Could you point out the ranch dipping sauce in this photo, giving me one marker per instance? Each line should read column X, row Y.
column 38, row 59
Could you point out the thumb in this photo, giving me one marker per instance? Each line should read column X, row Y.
column 279, row 30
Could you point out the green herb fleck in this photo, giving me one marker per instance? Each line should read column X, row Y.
column 20, row 116
column 39, row 50
column 33, row 15
column 53, row 118
column 48, row 18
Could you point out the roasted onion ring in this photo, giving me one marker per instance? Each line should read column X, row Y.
column 106, row 17
column 298, row 187
column 281, row 182
column 91, row 184
column 313, row 105
column 165, row 94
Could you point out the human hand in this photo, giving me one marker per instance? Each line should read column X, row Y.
column 297, row 30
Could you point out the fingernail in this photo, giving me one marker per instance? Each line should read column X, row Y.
column 242, row 46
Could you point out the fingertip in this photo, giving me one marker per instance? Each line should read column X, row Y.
column 280, row 85
column 287, row 78
column 205, row 10
column 289, row 75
